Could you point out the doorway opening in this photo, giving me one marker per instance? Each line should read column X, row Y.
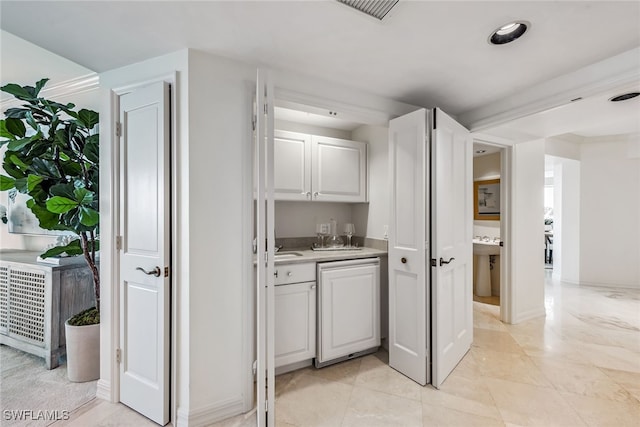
column 489, row 211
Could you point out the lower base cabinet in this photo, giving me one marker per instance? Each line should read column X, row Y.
column 295, row 323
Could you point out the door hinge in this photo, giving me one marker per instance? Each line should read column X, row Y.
column 118, row 243
column 118, row 129
column 254, row 368
column 434, row 262
column 118, row 355
column 266, row 108
column 166, row 272
column 266, row 406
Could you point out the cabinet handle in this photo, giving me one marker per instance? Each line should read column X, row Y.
column 289, row 273
column 442, row 261
column 316, row 194
column 313, row 286
column 276, row 273
column 308, row 193
column 403, row 260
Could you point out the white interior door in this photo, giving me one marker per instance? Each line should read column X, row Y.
column 145, row 250
column 408, row 297
column 265, row 232
column 451, row 229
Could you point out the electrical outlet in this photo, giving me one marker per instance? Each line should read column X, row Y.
column 386, row 231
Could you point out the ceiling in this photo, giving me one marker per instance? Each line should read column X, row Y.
column 425, row 53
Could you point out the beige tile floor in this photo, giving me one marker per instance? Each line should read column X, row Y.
column 578, row 366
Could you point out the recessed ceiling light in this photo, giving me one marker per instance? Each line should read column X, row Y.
column 480, row 151
column 509, row 32
column 624, row 96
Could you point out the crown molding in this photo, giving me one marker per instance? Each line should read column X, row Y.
column 612, row 73
column 78, row 85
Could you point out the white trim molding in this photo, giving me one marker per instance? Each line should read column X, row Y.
column 611, row 73
column 78, row 85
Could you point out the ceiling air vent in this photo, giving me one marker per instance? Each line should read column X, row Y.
column 376, row 8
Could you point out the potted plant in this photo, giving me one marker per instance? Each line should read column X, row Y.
column 52, row 155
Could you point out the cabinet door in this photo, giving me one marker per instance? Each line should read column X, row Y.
column 292, row 166
column 295, row 323
column 339, row 170
column 349, row 307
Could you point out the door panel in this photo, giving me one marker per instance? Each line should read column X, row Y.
column 408, row 296
column 451, row 229
column 265, row 229
column 144, row 225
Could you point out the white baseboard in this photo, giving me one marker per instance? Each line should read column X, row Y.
column 103, row 390
column 610, row 285
column 210, row 414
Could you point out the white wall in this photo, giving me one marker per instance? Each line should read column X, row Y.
column 486, row 167
column 610, row 211
column 566, row 223
column 299, row 219
column 375, row 214
column 526, row 201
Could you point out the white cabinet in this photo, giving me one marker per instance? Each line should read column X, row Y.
column 295, row 313
column 309, row 167
column 292, row 166
column 348, row 309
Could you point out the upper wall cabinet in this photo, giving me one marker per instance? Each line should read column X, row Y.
column 309, row 167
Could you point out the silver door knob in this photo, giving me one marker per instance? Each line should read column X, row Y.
column 155, row 272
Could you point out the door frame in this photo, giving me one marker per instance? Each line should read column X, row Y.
column 506, row 253
column 109, row 387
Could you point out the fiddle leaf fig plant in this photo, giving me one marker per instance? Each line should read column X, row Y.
column 52, row 155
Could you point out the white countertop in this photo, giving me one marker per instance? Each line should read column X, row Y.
column 322, row 256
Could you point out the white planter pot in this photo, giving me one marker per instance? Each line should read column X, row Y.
column 83, row 352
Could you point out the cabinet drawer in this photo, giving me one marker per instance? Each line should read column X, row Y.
column 295, row 273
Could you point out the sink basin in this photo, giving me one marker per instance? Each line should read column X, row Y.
column 284, row 255
column 485, row 248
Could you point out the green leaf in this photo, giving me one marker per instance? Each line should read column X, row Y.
column 4, row 132
column 45, row 168
column 62, row 137
column 19, row 144
column 6, row 183
column 59, row 204
column 88, row 117
column 16, row 113
column 64, row 190
column 16, row 127
column 47, row 220
column 18, row 162
column 83, row 196
column 39, row 85
column 32, row 181
column 72, row 248
column 31, row 121
column 18, row 91
column 92, row 149
column 89, row 217
column 13, row 171
column 21, row 185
